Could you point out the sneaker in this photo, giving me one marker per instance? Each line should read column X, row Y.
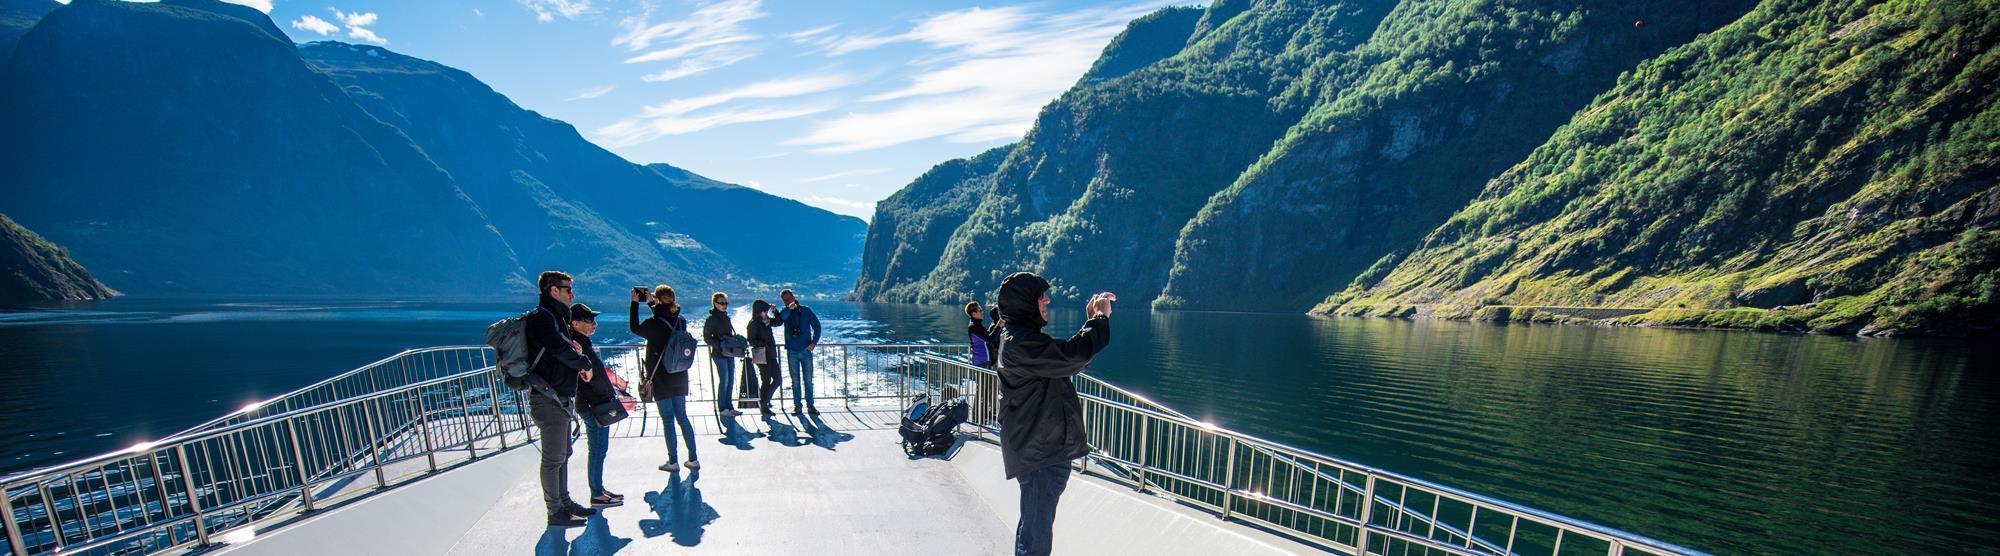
column 606, row 501
column 693, row 465
column 566, row 520
column 812, row 410
column 671, row 467
column 731, row 413
column 769, row 413
column 614, row 495
column 578, row 510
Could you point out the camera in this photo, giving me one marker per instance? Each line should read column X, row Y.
column 639, row 291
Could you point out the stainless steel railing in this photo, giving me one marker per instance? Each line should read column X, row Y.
column 1344, row 506
column 410, row 415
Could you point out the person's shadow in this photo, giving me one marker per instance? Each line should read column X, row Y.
column 596, row 540
column 782, row 433
column 734, row 434
column 822, row 435
column 682, row 513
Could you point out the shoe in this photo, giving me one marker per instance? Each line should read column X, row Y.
column 769, row 413
column 606, row 501
column 731, row 413
column 671, row 467
column 566, row 520
column 812, row 410
column 693, row 465
column 578, row 510
column 620, row 497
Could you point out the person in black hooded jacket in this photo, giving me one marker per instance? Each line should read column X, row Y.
column 763, row 354
column 668, row 390
column 1041, row 419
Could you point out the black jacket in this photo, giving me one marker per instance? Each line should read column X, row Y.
column 1041, row 419
column 548, row 327
column 657, row 330
column 599, row 389
column 714, row 330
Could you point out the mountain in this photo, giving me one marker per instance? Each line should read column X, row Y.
column 547, row 197
column 179, row 150
column 1825, row 166
column 1629, row 162
column 16, row 18
column 32, row 269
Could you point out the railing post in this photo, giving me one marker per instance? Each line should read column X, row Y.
column 374, row 442
column 1145, row 427
column 16, row 546
column 1229, row 480
column 298, row 461
column 424, row 427
column 1617, row 548
column 1367, row 513
column 465, row 418
column 493, row 395
column 194, row 497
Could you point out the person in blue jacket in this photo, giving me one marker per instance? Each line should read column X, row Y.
column 801, row 335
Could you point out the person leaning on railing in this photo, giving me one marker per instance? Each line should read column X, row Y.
column 1041, row 419
column 561, row 363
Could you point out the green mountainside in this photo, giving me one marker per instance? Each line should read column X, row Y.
column 32, row 269
column 1687, row 163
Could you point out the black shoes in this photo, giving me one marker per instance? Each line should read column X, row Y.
column 606, row 500
column 812, row 410
column 566, row 520
column 578, row 510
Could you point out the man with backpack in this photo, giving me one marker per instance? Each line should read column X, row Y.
column 559, row 364
column 801, row 335
column 1041, row 419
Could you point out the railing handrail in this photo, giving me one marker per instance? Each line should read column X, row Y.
column 1166, row 413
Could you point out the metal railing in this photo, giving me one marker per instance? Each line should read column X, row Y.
column 410, row 415
column 1344, row 506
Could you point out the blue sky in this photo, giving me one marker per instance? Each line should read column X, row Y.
column 836, row 104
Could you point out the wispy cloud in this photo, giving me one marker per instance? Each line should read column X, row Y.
column 843, row 175
column 865, row 207
column 357, row 26
column 547, row 10
column 991, row 71
column 315, row 25
column 593, row 92
column 261, row 5
column 688, row 115
column 712, row 37
column 809, row 33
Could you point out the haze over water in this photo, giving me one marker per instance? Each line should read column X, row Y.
column 1728, row 442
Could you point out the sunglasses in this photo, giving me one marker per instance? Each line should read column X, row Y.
column 565, row 288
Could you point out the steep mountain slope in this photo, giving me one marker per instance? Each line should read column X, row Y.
column 179, row 150
column 16, row 18
column 910, row 228
column 1836, row 161
column 1403, row 130
column 32, row 269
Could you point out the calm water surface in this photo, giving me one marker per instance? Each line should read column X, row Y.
column 1735, row 443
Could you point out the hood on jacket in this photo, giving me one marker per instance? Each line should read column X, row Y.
column 1021, row 299
column 759, row 307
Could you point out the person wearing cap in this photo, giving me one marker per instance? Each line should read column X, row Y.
column 801, row 336
column 602, row 386
column 763, row 354
column 1041, row 419
column 668, row 390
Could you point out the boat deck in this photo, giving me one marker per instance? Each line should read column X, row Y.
column 834, row 484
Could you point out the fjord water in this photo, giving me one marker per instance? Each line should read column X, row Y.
column 1730, row 442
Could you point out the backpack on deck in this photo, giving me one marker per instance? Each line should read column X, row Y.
column 509, row 340
column 931, row 429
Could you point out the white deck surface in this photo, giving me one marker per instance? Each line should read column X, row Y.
column 844, row 487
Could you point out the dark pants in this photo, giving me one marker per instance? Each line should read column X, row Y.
column 552, row 423
column 725, row 383
column 801, row 362
column 1040, row 489
column 769, row 379
column 600, row 442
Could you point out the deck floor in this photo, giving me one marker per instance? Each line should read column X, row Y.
column 835, row 484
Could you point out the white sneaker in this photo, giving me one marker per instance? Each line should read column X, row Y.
column 672, row 467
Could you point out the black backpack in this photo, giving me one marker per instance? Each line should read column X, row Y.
column 929, row 430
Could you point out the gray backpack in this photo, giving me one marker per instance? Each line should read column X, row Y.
column 509, row 340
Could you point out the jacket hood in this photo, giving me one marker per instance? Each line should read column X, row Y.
column 758, row 307
column 1020, row 299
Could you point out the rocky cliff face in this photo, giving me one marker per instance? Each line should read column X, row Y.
column 32, row 269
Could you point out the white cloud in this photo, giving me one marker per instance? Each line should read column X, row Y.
column 809, row 33
column 547, row 10
column 688, row 115
column 843, row 174
column 478, row 12
column 593, row 92
column 989, row 74
column 754, row 184
column 711, row 37
column 260, row 5
column 357, row 25
column 864, row 207
column 316, row 25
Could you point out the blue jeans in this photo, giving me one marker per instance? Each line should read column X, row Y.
column 1040, row 489
column 725, row 383
column 674, row 409
column 600, row 441
column 801, row 362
